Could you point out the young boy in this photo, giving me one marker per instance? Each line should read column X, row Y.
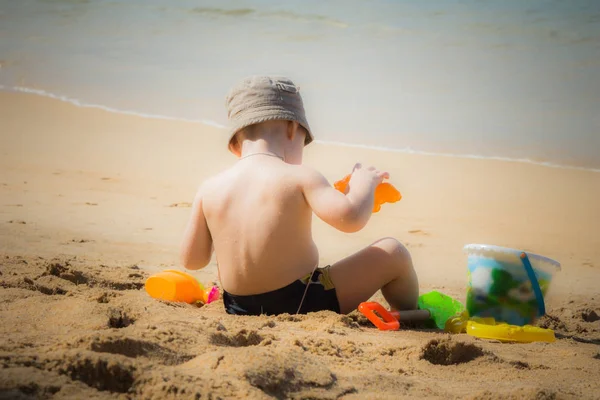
column 257, row 214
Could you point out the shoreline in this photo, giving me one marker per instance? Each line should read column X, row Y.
column 213, row 124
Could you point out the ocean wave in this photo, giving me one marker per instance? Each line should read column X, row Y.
column 306, row 18
column 68, row 2
column 282, row 14
column 235, row 12
column 407, row 150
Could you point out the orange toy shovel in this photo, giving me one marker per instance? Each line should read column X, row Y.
column 390, row 320
column 385, row 192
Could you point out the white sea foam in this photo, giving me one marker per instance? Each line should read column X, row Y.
column 80, row 103
column 406, row 150
column 409, row 150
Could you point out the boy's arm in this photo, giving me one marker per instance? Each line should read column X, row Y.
column 346, row 212
column 197, row 245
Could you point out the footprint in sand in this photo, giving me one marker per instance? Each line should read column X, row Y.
column 419, row 232
column 588, row 264
column 183, row 204
column 130, row 347
column 98, row 371
column 119, row 319
column 243, row 338
column 449, row 352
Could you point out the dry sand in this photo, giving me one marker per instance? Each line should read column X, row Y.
column 92, row 202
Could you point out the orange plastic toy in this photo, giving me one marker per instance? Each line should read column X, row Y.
column 389, row 320
column 173, row 285
column 384, row 192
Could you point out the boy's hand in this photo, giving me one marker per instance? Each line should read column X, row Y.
column 348, row 212
column 366, row 178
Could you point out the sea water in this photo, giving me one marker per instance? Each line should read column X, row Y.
column 499, row 78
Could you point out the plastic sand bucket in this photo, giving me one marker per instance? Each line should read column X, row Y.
column 507, row 284
column 173, row 285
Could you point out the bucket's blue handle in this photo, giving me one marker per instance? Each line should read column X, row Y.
column 534, row 284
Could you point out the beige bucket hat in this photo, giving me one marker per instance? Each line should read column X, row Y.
column 264, row 98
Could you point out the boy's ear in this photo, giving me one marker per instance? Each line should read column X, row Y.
column 235, row 146
column 292, row 129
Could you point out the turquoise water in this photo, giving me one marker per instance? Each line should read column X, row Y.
column 498, row 78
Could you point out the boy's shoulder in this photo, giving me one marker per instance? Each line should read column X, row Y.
column 302, row 175
column 213, row 182
column 310, row 175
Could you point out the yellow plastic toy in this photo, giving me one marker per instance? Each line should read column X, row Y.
column 458, row 323
column 487, row 328
column 173, row 285
column 509, row 333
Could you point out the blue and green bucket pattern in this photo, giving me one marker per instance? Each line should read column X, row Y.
column 507, row 284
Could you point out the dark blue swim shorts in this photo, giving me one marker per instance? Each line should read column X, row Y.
column 320, row 296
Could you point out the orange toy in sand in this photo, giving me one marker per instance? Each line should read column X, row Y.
column 173, row 285
column 384, row 192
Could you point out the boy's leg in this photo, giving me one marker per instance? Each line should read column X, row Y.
column 385, row 265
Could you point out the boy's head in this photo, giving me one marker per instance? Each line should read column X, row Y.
column 262, row 100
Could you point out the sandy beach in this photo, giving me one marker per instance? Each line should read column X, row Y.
column 93, row 202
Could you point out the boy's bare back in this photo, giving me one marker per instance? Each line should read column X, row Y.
column 260, row 224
